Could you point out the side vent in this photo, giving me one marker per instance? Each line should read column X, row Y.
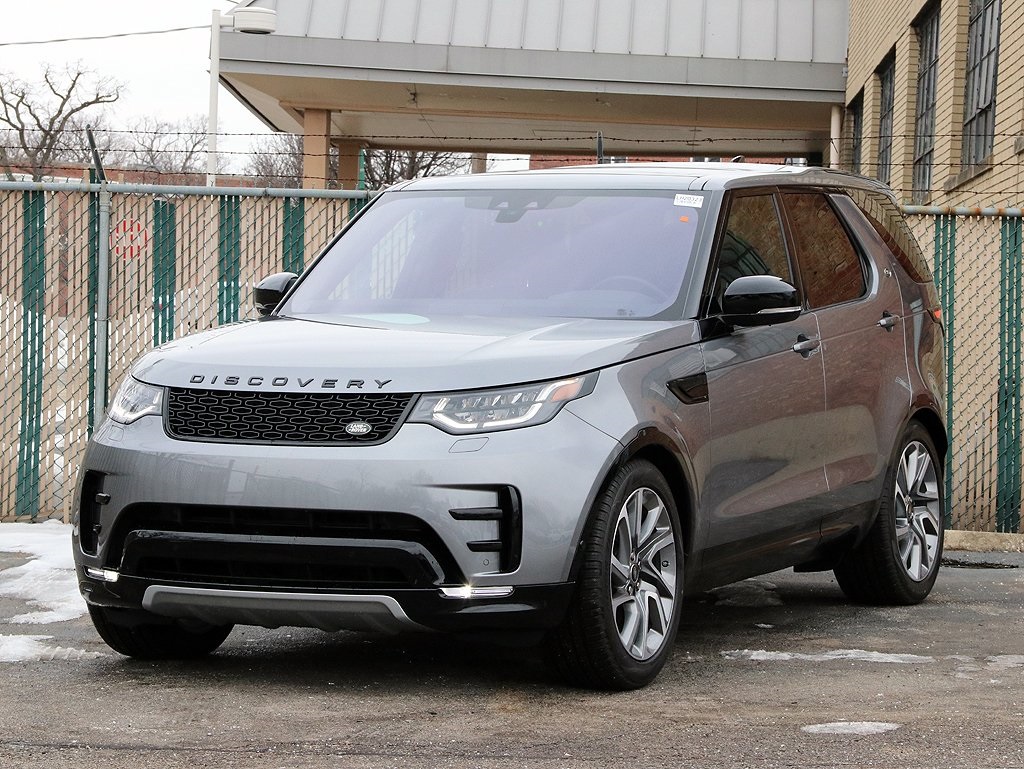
column 91, row 501
column 509, row 516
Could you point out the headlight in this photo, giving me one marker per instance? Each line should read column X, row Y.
column 504, row 409
column 135, row 399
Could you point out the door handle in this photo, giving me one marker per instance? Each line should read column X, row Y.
column 806, row 345
column 888, row 320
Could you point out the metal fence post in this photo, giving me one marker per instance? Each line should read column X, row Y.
column 102, row 306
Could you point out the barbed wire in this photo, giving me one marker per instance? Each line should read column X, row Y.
column 566, row 155
column 295, row 181
column 674, row 149
column 568, row 137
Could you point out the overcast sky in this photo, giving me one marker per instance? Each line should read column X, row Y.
column 165, row 76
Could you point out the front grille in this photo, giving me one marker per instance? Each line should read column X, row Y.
column 283, row 417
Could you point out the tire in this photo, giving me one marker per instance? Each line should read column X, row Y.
column 898, row 561
column 134, row 634
column 621, row 624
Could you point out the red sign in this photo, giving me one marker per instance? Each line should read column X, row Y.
column 129, row 239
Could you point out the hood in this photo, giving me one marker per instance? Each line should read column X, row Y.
column 402, row 353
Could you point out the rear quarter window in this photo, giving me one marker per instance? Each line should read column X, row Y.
column 887, row 219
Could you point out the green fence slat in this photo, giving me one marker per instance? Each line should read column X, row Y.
column 229, row 252
column 1014, row 334
column 293, row 241
column 945, row 276
column 33, row 292
column 164, row 270
column 1008, row 404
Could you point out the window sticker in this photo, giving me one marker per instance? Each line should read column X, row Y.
column 691, row 201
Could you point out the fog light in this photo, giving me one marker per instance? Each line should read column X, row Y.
column 468, row 591
column 104, row 575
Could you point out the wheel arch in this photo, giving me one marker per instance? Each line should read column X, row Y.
column 932, row 422
column 660, row 450
column 936, row 429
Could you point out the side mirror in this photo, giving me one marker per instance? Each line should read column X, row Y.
column 760, row 300
column 271, row 290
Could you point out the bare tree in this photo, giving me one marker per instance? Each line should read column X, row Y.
column 110, row 144
column 166, row 147
column 37, row 118
column 386, row 167
column 276, row 161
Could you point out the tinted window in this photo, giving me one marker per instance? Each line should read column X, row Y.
column 752, row 244
column 563, row 253
column 831, row 268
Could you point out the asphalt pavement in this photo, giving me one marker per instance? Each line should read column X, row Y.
column 778, row 671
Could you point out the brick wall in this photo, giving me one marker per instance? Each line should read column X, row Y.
column 881, row 27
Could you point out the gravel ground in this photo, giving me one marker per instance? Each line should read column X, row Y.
column 775, row 672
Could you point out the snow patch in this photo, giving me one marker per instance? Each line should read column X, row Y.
column 30, row 648
column 851, row 727
column 47, row 582
column 1005, row 661
column 856, row 655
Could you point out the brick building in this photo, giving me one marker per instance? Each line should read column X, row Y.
column 935, row 99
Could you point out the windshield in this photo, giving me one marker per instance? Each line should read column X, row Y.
column 508, row 253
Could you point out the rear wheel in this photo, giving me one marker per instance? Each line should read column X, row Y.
column 898, row 561
column 140, row 635
column 622, row 622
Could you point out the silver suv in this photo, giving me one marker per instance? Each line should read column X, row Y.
column 550, row 402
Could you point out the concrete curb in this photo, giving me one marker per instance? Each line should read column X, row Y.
column 984, row 541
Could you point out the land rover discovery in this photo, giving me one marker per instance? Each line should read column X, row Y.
column 554, row 401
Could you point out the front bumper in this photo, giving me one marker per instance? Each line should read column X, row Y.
column 534, row 607
column 159, row 496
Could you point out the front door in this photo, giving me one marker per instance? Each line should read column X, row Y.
column 767, row 403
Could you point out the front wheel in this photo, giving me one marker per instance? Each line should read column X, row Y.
column 622, row 622
column 140, row 635
column 898, row 561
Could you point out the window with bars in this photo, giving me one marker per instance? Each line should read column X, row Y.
column 855, row 131
column 980, row 92
column 886, row 78
column 924, row 114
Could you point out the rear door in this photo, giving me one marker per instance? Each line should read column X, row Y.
column 849, row 283
column 767, row 404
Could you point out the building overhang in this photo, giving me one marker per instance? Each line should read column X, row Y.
column 421, row 96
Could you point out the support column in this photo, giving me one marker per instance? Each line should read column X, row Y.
column 316, row 148
column 478, row 163
column 348, row 165
column 836, row 136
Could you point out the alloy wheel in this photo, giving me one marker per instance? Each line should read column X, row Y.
column 918, row 511
column 643, row 573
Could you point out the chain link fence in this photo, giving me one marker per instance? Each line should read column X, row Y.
column 978, row 264
column 179, row 260
column 155, row 263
